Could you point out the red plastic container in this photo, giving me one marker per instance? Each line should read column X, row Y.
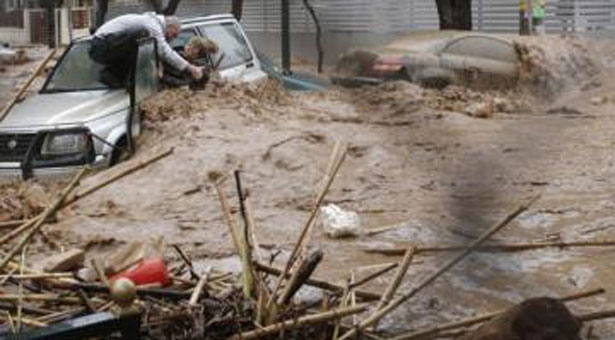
column 147, row 271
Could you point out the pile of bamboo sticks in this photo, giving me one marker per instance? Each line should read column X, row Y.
column 260, row 303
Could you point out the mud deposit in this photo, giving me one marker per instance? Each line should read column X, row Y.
column 425, row 160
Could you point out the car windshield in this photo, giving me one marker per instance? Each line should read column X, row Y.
column 76, row 71
column 231, row 43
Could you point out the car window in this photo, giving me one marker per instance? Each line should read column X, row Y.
column 146, row 76
column 482, row 47
column 76, row 71
column 182, row 39
column 230, row 42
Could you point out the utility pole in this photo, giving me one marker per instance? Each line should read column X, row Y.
column 286, row 37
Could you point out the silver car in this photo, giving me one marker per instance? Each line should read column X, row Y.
column 434, row 59
column 75, row 120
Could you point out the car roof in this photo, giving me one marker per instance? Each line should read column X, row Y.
column 186, row 21
column 207, row 18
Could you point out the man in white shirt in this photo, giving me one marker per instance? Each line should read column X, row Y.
column 114, row 45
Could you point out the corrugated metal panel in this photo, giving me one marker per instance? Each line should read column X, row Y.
column 392, row 15
column 496, row 15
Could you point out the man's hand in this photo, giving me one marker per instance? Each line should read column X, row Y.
column 196, row 72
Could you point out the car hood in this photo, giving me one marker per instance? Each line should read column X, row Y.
column 45, row 109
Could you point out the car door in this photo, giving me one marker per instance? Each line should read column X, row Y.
column 144, row 85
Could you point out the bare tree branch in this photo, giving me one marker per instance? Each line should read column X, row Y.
column 319, row 48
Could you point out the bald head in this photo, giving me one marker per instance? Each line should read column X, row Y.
column 173, row 26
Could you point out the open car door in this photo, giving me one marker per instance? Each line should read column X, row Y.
column 143, row 86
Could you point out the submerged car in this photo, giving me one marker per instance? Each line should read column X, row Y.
column 434, row 59
column 75, row 120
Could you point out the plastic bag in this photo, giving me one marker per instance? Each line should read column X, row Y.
column 337, row 222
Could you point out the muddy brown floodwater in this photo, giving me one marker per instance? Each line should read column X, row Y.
column 423, row 159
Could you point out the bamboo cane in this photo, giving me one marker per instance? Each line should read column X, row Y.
column 301, row 322
column 432, row 332
column 130, row 168
column 374, row 275
column 11, row 224
column 26, row 85
column 199, row 288
column 367, row 296
column 494, row 247
column 9, row 275
column 88, row 191
column 20, row 289
column 41, row 276
column 40, row 297
column 98, row 267
column 25, row 321
column 431, row 278
column 48, row 212
column 597, row 316
column 396, row 282
column 246, row 254
column 227, row 217
column 329, row 180
column 301, row 274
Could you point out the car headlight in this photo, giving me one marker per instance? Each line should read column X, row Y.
column 62, row 144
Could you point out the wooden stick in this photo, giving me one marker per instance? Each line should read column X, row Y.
column 230, row 223
column 199, row 288
column 374, row 275
column 48, row 212
column 40, row 297
column 246, row 253
column 20, row 289
column 392, row 288
column 88, row 191
column 367, row 296
column 27, row 84
column 494, row 247
column 431, row 278
column 431, row 332
column 11, row 224
column 9, row 275
column 25, row 321
column 59, row 316
column 258, row 252
column 187, row 261
column 300, row 276
column 38, row 276
column 86, row 301
column 98, row 267
column 9, row 306
column 11, row 323
column 130, row 168
column 301, row 322
column 597, row 316
column 343, row 304
column 329, row 180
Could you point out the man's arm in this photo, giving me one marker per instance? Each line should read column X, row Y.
column 167, row 54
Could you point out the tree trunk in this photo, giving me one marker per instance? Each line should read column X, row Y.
column 237, row 9
column 101, row 12
column 171, row 7
column 455, row 14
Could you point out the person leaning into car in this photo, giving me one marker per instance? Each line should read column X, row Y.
column 114, row 45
